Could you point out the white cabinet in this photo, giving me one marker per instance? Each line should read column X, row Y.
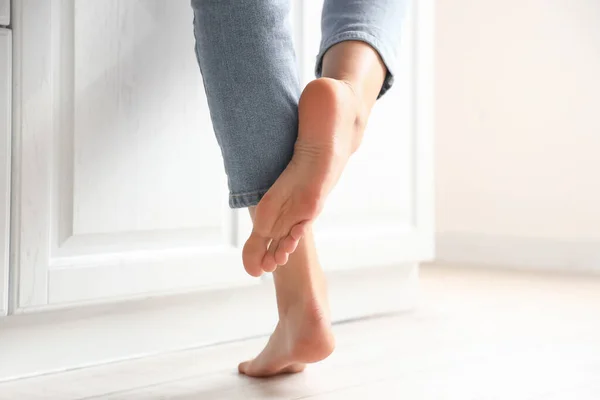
column 5, row 124
column 118, row 189
column 119, row 184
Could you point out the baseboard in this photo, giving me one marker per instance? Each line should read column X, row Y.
column 35, row 344
column 518, row 252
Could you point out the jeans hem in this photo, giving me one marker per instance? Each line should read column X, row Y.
column 385, row 52
column 245, row 200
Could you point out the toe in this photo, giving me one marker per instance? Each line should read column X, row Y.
column 281, row 256
column 282, row 249
column 299, row 230
column 268, row 263
column 243, row 367
column 289, row 244
column 253, row 254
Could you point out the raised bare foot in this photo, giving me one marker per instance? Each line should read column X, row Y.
column 331, row 125
column 303, row 335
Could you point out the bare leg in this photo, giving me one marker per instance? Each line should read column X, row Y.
column 303, row 334
column 333, row 112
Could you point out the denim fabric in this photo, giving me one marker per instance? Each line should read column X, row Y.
column 246, row 57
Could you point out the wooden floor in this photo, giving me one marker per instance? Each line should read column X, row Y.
column 478, row 335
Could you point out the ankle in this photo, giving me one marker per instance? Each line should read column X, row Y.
column 361, row 105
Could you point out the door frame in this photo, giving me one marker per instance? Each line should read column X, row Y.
column 5, row 162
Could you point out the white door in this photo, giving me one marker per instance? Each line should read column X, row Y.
column 381, row 212
column 5, row 118
column 119, row 179
column 119, row 182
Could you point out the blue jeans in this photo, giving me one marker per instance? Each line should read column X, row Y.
column 246, row 56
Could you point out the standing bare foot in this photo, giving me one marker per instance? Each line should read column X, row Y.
column 331, row 125
column 303, row 334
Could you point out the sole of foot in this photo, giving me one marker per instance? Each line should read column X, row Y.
column 330, row 130
column 302, row 336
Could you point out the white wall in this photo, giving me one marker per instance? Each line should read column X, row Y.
column 518, row 130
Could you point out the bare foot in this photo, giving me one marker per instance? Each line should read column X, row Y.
column 303, row 335
column 331, row 125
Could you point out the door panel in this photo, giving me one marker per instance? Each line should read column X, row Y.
column 5, row 12
column 140, row 109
